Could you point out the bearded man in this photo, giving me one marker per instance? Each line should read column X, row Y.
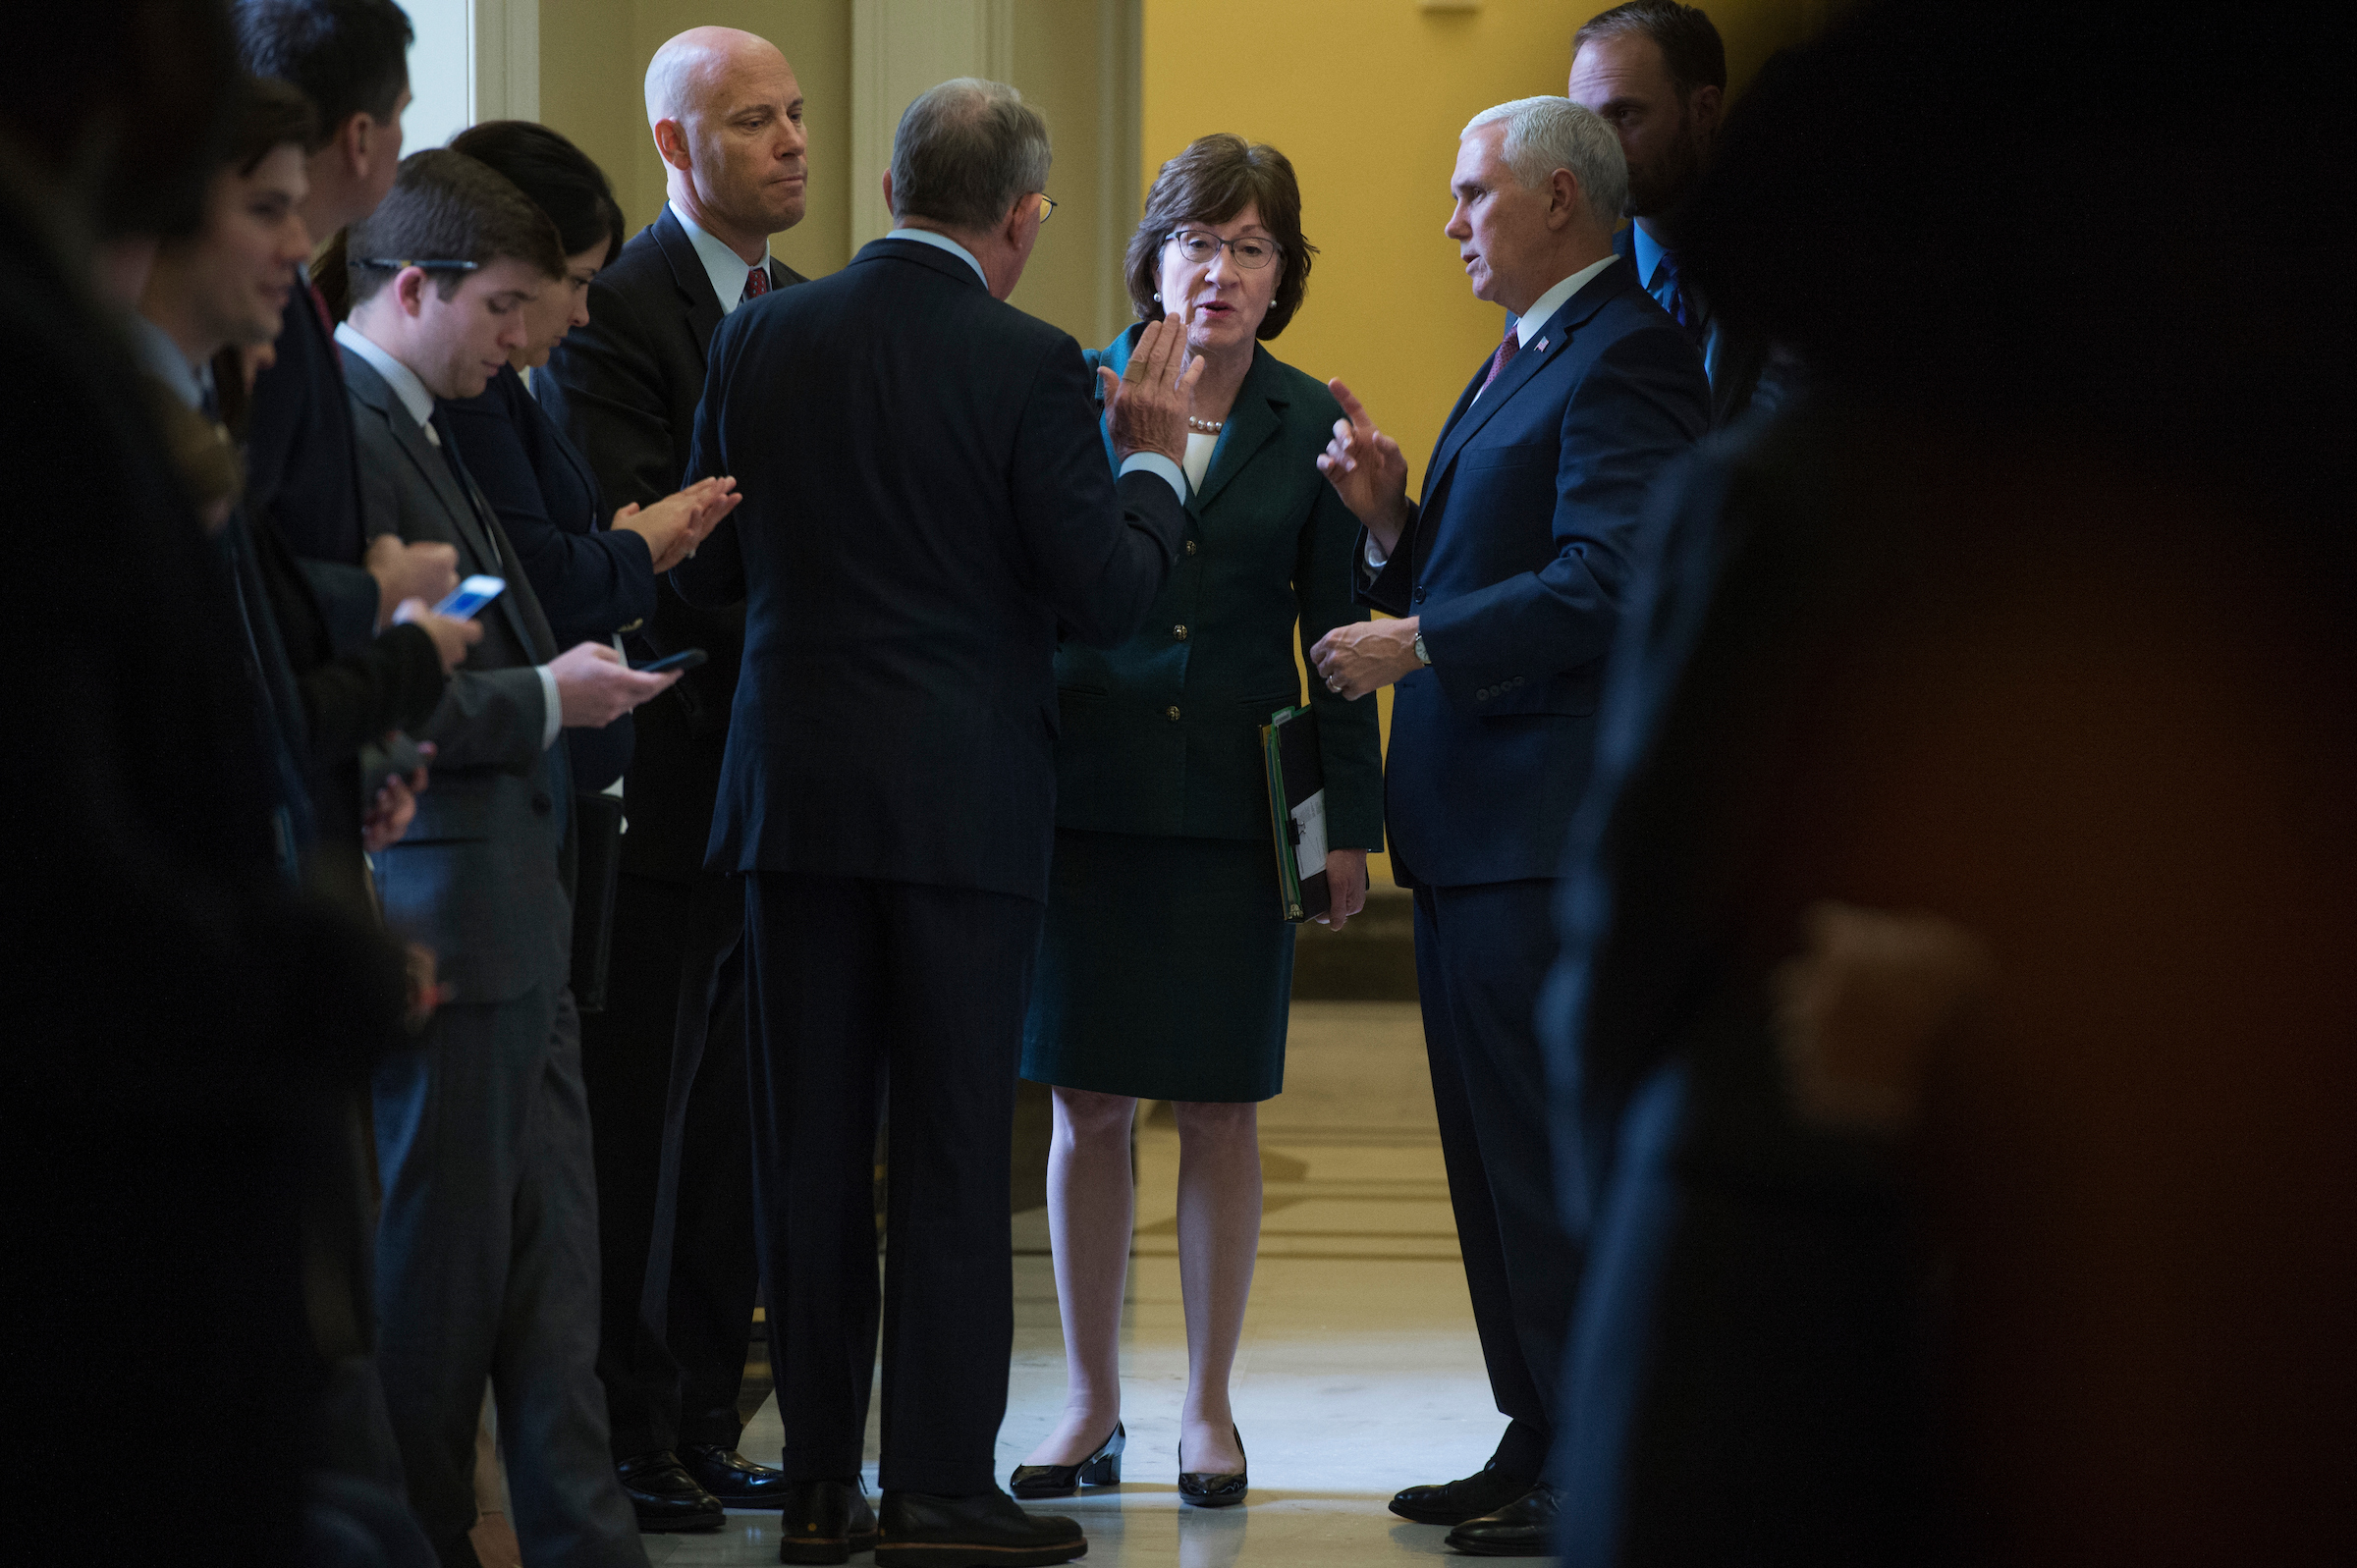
column 1656, row 72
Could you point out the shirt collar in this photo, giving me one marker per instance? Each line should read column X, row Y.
column 1647, row 252
column 725, row 267
column 1547, row 305
column 399, row 377
column 161, row 359
column 943, row 240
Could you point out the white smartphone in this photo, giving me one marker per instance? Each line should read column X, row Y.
column 469, row 596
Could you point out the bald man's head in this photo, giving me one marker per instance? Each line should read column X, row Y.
column 727, row 116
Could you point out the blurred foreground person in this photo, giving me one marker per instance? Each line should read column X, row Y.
column 1956, row 1013
column 891, row 806
column 210, row 298
column 665, row 1061
column 178, row 1014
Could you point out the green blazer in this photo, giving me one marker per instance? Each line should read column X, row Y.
column 1162, row 735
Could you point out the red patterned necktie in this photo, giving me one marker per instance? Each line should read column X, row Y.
column 1507, row 350
column 756, row 283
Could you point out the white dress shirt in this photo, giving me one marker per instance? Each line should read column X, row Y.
column 725, row 267
column 418, row 403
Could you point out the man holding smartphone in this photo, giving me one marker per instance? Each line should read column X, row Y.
column 487, row 1248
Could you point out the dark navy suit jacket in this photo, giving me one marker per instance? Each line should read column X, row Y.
column 1162, row 735
column 1517, row 561
column 926, row 502
column 592, row 581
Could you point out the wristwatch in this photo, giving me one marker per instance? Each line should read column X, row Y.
column 1422, row 657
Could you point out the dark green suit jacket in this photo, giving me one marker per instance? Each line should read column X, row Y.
column 1162, row 735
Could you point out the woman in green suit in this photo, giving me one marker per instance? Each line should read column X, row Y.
column 1167, row 963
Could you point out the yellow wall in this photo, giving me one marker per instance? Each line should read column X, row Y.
column 1366, row 98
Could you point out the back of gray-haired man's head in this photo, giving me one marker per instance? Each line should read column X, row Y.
column 1544, row 135
column 965, row 150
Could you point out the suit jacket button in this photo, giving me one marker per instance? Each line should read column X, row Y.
column 1483, row 695
column 543, row 805
column 1191, row 547
column 1172, row 714
column 1419, row 596
column 1180, row 633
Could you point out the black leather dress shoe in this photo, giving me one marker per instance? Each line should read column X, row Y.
column 925, row 1531
column 1100, row 1469
column 732, row 1478
column 1523, row 1528
column 1222, row 1489
column 664, row 1495
column 825, row 1520
column 1455, row 1501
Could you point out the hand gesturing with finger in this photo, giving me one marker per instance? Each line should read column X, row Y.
column 1146, row 405
column 1367, row 470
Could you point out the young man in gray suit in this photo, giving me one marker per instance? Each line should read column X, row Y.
column 488, row 1244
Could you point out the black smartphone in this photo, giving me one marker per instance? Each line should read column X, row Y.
column 381, row 763
column 685, row 659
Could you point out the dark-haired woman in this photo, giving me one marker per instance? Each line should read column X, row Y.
column 1166, row 965
column 593, row 579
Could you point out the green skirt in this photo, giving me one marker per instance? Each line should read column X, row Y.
column 1164, row 971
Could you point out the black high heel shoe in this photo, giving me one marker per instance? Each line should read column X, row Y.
column 1220, row 1490
column 1100, row 1469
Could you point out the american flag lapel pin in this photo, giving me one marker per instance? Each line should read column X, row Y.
column 1541, row 345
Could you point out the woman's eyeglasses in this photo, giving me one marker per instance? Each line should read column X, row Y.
column 1251, row 251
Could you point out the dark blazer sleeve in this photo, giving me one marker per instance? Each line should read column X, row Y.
column 1637, row 407
column 595, row 582
column 713, row 578
column 347, row 596
column 393, row 682
column 1100, row 585
column 1349, row 739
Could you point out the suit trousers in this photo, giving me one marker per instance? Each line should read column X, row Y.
column 702, row 1271
column 862, row 994
column 488, row 1268
column 676, row 1305
column 1482, row 954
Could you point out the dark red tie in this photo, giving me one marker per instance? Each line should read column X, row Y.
column 756, row 283
column 1504, row 356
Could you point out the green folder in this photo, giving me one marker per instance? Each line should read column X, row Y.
column 1288, row 744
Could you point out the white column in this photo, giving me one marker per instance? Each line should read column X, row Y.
column 506, row 78
column 899, row 50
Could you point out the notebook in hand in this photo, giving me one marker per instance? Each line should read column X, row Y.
column 1289, row 742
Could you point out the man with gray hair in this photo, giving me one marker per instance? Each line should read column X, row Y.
column 1507, row 581
column 909, row 565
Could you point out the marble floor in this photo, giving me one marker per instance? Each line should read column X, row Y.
column 1359, row 1372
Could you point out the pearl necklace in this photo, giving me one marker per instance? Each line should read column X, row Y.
column 1209, row 427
